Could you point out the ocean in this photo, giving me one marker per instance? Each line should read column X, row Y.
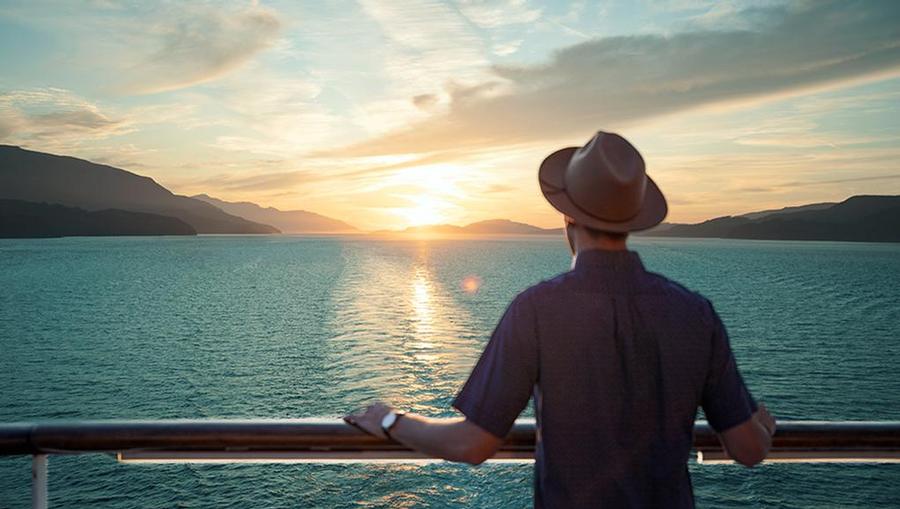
column 316, row 326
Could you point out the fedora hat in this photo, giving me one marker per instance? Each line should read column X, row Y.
column 603, row 185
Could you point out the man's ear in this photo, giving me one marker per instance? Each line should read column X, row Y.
column 570, row 235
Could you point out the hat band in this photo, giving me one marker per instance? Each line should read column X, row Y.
column 556, row 190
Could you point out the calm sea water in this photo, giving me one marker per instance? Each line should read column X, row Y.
column 160, row 328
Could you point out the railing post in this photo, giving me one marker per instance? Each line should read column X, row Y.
column 39, row 481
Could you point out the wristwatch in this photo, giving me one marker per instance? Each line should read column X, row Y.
column 389, row 421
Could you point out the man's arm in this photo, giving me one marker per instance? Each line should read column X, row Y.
column 450, row 439
column 496, row 392
column 749, row 443
column 744, row 428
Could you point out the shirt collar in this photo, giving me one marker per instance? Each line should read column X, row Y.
column 617, row 261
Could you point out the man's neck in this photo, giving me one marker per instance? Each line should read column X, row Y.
column 601, row 244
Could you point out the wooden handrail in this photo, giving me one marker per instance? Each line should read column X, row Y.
column 312, row 439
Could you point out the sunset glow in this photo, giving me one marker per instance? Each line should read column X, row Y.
column 441, row 112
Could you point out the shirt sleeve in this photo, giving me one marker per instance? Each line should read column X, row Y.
column 726, row 400
column 500, row 385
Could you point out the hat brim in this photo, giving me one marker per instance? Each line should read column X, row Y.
column 552, row 179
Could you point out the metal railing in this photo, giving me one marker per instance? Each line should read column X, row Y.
column 317, row 440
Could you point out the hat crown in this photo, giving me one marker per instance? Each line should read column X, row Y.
column 607, row 178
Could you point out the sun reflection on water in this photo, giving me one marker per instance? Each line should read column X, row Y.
column 400, row 334
column 423, row 311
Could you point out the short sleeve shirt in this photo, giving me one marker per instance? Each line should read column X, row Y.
column 618, row 360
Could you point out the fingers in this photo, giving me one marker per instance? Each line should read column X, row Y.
column 368, row 419
column 377, row 408
column 764, row 413
column 765, row 418
column 355, row 424
column 352, row 418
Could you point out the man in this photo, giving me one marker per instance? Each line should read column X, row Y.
column 618, row 359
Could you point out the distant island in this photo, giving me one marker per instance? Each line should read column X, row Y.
column 489, row 227
column 288, row 221
column 22, row 219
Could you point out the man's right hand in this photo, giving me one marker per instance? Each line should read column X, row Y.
column 765, row 419
column 749, row 443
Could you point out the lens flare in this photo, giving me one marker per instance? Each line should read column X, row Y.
column 470, row 284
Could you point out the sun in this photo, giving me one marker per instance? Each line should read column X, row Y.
column 425, row 210
column 428, row 194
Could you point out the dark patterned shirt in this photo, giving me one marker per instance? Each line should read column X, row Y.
column 618, row 360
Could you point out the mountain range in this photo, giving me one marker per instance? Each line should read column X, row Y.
column 488, row 227
column 38, row 177
column 288, row 221
column 25, row 219
column 86, row 188
column 858, row 218
column 49, row 195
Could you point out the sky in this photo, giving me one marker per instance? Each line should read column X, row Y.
column 389, row 114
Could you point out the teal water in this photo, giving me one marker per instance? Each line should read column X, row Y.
column 228, row 327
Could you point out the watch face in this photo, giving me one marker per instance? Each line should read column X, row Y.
column 388, row 420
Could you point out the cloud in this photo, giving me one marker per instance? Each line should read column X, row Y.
column 54, row 117
column 494, row 14
column 199, row 44
column 121, row 155
column 620, row 81
column 426, row 44
column 57, row 119
column 507, row 48
column 425, row 101
column 270, row 113
column 793, row 186
column 259, row 182
column 334, row 176
column 842, row 181
column 499, row 188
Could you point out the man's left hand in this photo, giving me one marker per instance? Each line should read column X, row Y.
column 369, row 420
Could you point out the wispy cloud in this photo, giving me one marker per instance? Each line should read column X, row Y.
column 258, row 182
column 271, row 114
column 53, row 117
column 349, row 175
column 620, row 81
column 58, row 120
column 428, row 45
column 841, row 181
column 199, row 43
column 425, row 101
column 507, row 48
column 495, row 14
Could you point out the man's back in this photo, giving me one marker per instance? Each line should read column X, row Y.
column 619, row 359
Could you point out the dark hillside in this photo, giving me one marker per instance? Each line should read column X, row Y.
column 22, row 219
column 45, row 178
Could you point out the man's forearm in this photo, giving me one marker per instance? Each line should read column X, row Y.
column 449, row 439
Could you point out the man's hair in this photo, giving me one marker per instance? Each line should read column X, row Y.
column 595, row 233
